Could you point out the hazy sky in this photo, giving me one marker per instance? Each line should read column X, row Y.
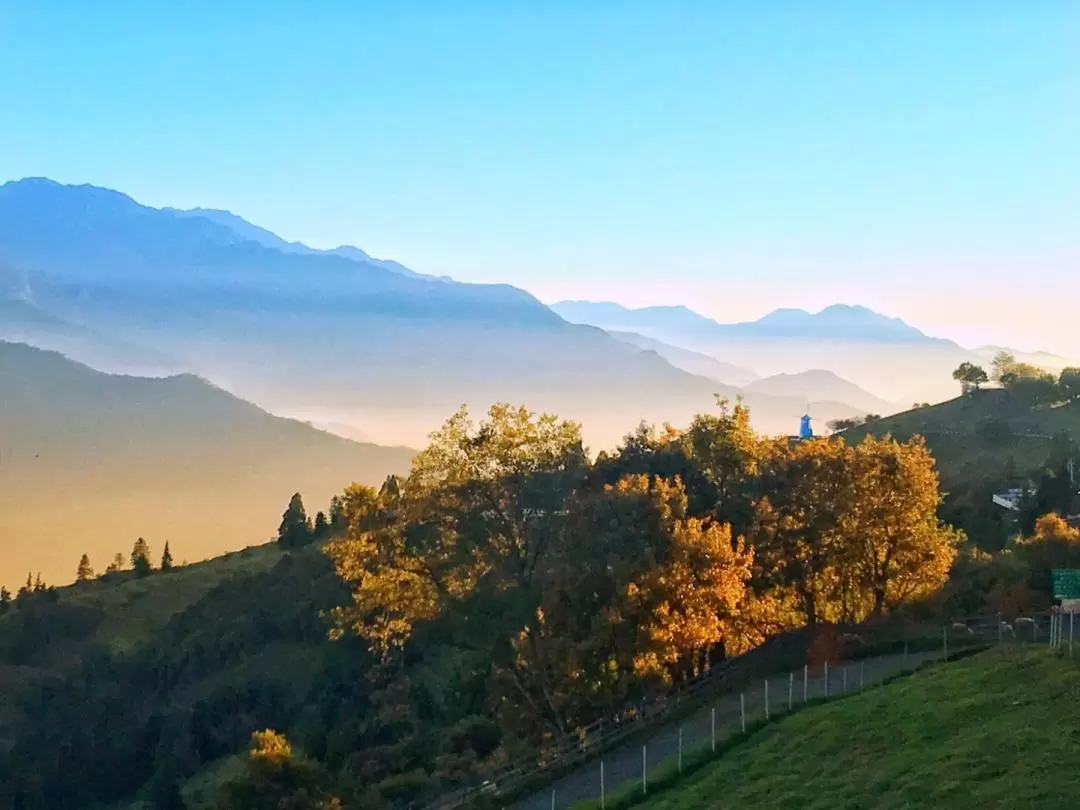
column 922, row 158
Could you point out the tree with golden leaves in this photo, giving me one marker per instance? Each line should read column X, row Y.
column 904, row 551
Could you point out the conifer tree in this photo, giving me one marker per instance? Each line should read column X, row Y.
column 322, row 527
column 140, row 558
column 5, row 599
column 166, row 558
column 84, row 572
column 295, row 529
column 39, row 583
column 116, row 565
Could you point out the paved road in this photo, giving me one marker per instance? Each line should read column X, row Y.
column 623, row 764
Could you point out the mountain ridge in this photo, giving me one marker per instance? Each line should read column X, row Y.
column 174, row 458
column 302, row 332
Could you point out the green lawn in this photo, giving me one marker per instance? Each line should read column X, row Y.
column 999, row 729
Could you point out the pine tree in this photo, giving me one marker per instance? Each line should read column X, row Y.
column 166, row 558
column 321, row 529
column 85, row 572
column 140, row 558
column 39, row 583
column 116, row 565
column 28, row 587
column 5, row 599
column 295, row 529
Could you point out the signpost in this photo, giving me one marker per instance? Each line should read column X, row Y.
column 1067, row 589
column 1067, row 583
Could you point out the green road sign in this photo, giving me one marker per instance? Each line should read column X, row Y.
column 1067, row 583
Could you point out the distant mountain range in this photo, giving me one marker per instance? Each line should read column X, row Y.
column 90, row 461
column 693, row 362
column 885, row 356
column 838, row 322
column 298, row 330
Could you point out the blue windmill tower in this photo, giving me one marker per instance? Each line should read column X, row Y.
column 806, row 427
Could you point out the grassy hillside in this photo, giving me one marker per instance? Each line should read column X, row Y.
column 238, row 641
column 982, row 444
column 90, row 461
column 971, row 435
column 993, row 730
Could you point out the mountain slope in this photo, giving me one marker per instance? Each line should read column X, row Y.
column 819, row 384
column 246, row 230
column 303, row 332
column 692, row 362
column 90, row 461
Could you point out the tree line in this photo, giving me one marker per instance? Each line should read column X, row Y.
column 1029, row 383
column 595, row 580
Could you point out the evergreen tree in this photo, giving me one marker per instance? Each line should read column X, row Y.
column 338, row 521
column 85, row 572
column 5, row 599
column 39, row 583
column 166, row 558
column 295, row 529
column 28, row 587
column 116, row 565
column 140, row 558
column 322, row 527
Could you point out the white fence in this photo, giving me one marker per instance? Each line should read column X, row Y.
column 600, row 760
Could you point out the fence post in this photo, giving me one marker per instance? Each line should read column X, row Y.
column 603, row 801
column 713, row 729
column 843, row 683
column 644, row 770
column 945, row 636
column 766, row 698
column 742, row 710
column 862, row 674
column 680, row 749
column 826, row 679
column 790, row 690
column 805, row 681
column 999, row 627
column 553, row 799
column 1071, row 614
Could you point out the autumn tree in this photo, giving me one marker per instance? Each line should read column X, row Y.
column 274, row 777
column 166, row 559
column 471, row 526
column 1054, row 544
column 970, row 376
column 1002, row 364
column 903, row 551
column 140, row 558
column 730, row 455
column 295, row 530
column 851, row 532
column 84, row 572
column 798, row 536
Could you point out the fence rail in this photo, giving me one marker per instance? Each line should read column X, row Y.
column 700, row 723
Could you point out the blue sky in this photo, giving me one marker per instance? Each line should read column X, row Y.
column 922, row 158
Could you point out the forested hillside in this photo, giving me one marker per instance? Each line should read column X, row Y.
column 415, row 639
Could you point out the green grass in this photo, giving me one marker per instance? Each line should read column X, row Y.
column 999, row 729
column 137, row 608
column 977, row 435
